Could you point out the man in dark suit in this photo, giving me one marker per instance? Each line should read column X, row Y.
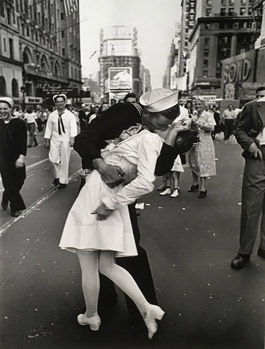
column 13, row 149
column 89, row 143
column 250, row 134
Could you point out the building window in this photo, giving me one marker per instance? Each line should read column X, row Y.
column 63, row 51
column 205, row 72
column 223, row 2
column 218, row 69
column 207, row 26
column 224, row 40
column 62, row 16
column 14, row 88
column 222, row 12
column 205, row 67
column 243, row 11
column 2, row 86
column 27, row 32
column 249, row 11
column 240, row 25
column 243, row 2
column 231, row 2
column 62, row 34
column 208, row 2
column 206, row 41
column 230, row 12
column 8, row 15
column 206, row 52
column 11, row 49
column 4, row 41
column 208, row 12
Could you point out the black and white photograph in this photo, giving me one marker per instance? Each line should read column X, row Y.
column 132, row 174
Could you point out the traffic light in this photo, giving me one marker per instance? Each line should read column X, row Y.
column 22, row 89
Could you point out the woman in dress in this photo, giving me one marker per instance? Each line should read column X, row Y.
column 98, row 226
column 13, row 149
column 172, row 179
column 202, row 154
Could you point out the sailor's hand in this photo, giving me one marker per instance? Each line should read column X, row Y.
column 111, row 175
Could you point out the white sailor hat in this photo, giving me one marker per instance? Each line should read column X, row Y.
column 159, row 99
column 7, row 100
column 59, row 95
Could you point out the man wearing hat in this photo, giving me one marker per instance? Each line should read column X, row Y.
column 89, row 143
column 60, row 132
column 13, row 149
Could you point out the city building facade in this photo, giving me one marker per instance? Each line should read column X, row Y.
column 119, row 62
column 40, row 50
column 223, row 28
column 242, row 74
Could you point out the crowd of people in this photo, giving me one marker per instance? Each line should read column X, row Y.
column 123, row 147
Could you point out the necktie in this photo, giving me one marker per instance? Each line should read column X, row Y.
column 60, row 122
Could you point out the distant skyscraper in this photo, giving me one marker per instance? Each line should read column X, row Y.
column 118, row 59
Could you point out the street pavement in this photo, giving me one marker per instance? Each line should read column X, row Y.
column 190, row 243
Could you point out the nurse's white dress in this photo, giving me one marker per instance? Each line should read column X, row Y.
column 137, row 157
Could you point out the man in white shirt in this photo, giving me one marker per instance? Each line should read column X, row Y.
column 228, row 118
column 250, row 134
column 60, row 132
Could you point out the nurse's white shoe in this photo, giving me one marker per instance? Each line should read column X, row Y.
column 94, row 321
column 153, row 313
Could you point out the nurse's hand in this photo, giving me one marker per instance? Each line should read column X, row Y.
column 102, row 212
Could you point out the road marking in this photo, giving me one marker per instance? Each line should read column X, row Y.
column 29, row 167
column 32, row 207
column 37, row 163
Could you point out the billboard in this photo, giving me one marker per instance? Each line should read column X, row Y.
column 120, row 78
column 119, row 48
column 239, row 68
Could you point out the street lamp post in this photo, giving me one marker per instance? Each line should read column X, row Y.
column 23, row 87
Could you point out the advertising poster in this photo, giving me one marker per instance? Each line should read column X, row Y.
column 120, row 78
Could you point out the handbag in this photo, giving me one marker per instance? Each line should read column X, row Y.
column 186, row 138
